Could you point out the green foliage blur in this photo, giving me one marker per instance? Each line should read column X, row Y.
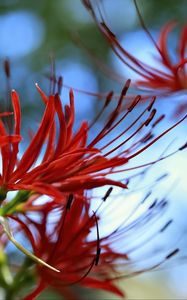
column 65, row 21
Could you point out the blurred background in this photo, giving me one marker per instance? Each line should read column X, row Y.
column 32, row 32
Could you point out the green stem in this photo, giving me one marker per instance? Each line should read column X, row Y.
column 21, row 279
column 5, row 274
column 10, row 207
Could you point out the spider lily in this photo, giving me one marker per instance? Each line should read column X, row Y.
column 70, row 163
column 64, row 242
column 170, row 77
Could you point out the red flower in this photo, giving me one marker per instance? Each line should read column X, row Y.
column 69, row 162
column 83, row 259
column 67, row 247
column 171, row 78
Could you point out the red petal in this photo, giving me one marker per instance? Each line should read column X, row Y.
column 4, row 140
column 163, row 43
column 183, row 43
column 17, row 126
column 87, row 182
column 37, row 142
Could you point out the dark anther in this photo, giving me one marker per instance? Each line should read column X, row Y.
column 108, row 98
column 134, row 103
column 147, row 137
column 59, row 84
column 97, row 256
column 146, row 197
column 161, row 177
column 7, row 68
column 69, row 202
column 183, row 147
column 153, row 204
column 152, row 114
column 151, row 104
column 107, row 194
column 158, row 120
column 166, row 226
column 172, row 253
column 126, row 87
